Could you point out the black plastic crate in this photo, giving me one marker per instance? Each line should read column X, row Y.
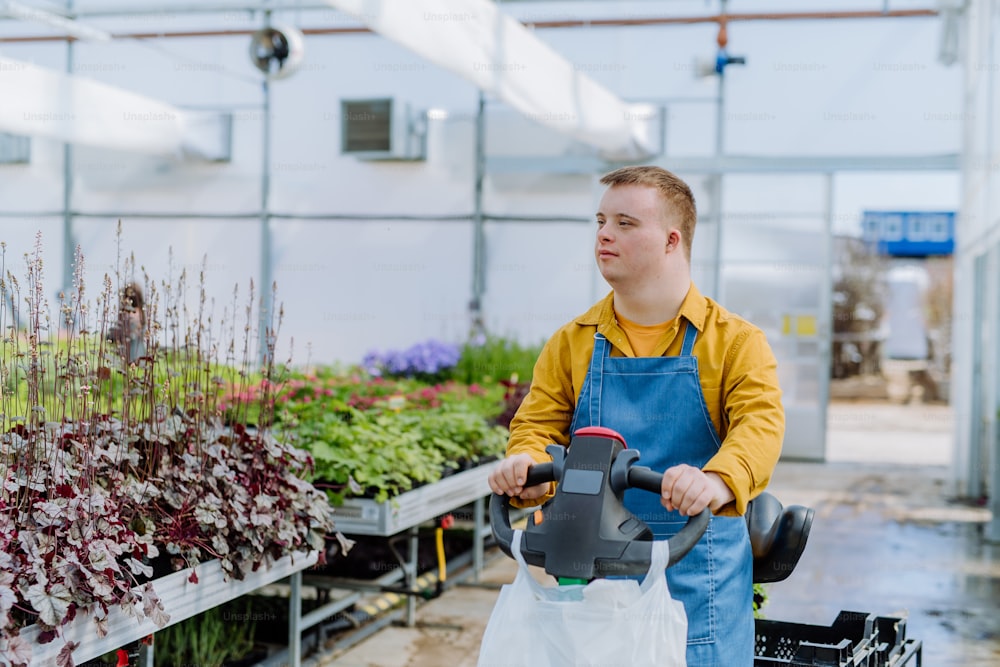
column 855, row 639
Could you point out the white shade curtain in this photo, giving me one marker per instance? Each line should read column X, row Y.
column 477, row 41
column 43, row 102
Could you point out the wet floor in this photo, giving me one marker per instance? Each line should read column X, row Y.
column 887, row 539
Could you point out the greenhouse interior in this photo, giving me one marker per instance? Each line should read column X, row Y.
column 275, row 276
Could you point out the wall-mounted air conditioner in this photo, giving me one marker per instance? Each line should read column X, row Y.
column 14, row 149
column 382, row 129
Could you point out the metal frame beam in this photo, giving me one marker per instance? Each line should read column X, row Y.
column 734, row 164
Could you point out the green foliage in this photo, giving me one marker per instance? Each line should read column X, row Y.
column 83, row 375
column 308, row 395
column 383, row 453
column 210, row 638
column 379, row 437
column 494, row 359
column 759, row 600
column 112, row 447
column 64, row 362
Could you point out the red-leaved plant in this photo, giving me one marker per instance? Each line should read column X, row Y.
column 71, row 536
column 115, row 455
column 242, row 500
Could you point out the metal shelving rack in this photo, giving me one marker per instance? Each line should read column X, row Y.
column 404, row 513
column 181, row 600
column 357, row 516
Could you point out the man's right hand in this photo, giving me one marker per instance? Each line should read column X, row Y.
column 508, row 478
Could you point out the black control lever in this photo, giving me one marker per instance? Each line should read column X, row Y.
column 585, row 530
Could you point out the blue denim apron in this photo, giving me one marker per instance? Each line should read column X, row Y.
column 657, row 404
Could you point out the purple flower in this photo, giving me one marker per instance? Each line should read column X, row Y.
column 396, row 362
column 372, row 363
column 427, row 358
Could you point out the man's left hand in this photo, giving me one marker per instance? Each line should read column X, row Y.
column 689, row 490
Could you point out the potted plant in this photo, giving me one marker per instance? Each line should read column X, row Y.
column 110, row 459
column 378, row 437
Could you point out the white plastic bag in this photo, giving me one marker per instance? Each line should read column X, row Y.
column 606, row 622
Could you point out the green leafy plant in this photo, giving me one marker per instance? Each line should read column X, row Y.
column 759, row 600
column 381, row 453
column 378, row 437
column 490, row 359
column 210, row 638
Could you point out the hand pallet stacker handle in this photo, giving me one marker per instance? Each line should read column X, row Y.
column 639, row 477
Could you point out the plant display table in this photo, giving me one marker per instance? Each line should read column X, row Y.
column 406, row 512
column 363, row 516
column 181, row 600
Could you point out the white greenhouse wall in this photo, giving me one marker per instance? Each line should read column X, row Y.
column 375, row 255
column 977, row 270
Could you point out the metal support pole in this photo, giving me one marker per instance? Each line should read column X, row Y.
column 720, row 149
column 411, row 577
column 479, row 526
column 975, row 485
column 476, row 324
column 146, row 649
column 826, row 315
column 266, row 269
column 69, row 246
column 717, row 214
column 991, row 393
column 992, row 311
column 992, row 532
column 295, row 620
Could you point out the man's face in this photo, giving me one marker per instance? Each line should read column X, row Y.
column 631, row 235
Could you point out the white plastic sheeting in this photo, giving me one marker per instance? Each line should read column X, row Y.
column 24, row 12
column 43, row 102
column 475, row 40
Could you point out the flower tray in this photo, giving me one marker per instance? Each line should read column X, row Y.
column 181, row 600
column 364, row 516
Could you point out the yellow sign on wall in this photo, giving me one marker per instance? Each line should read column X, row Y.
column 799, row 325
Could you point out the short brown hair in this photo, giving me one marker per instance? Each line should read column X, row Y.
column 676, row 194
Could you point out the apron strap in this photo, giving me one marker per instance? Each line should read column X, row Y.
column 690, row 333
column 602, row 349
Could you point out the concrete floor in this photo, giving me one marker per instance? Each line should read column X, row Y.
column 886, row 539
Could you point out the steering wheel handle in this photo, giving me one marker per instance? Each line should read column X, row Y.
column 639, row 477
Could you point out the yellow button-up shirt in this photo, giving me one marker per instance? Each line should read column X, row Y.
column 737, row 371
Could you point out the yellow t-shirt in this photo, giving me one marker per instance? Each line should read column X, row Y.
column 642, row 337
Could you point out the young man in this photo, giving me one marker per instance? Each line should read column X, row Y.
column 691, row 386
